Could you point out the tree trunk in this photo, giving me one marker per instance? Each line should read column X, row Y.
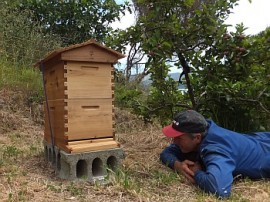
column 186, row 70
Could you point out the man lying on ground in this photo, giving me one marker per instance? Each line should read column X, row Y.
column 211, row 156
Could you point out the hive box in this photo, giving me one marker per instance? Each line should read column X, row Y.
column 79, row 89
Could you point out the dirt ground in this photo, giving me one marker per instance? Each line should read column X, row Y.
column 26, row 176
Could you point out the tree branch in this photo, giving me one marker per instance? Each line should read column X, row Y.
column 255, row 101
column 186, row 69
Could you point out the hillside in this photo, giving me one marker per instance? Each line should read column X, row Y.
column 25, row 176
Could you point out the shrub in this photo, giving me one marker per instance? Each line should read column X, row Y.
column 21, row 40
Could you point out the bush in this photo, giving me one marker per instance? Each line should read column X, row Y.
column 21, row 40
column 127, row 94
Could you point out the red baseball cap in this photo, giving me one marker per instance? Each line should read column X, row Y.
column 188, row 121
column 169, row 131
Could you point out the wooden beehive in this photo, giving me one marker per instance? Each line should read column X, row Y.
column 78, row 81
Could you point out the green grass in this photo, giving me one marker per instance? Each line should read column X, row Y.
column 11, row 152
column 123, row 178
column 27, row 80
column 165, row 177
column 22, row 78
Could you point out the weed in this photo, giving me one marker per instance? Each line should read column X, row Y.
column 24, row 173
column 54, row 188
column 123, row 178
column 14, row 137
column 238, row 197
column 8, row 179
column 75, row 191
column 11, row 152
column 21, row 195
column 165, row 178
column 10, row 196
column 33, row 150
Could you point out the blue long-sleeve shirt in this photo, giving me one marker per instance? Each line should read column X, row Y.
column 225, row 154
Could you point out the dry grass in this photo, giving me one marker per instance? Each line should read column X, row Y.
column 25, row 176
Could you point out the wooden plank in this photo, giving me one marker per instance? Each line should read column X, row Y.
column 57, row 119
column 91, row 43
column 89, row 119
column 56, row 90
column 89, row 141
column 54, row 81
column 93, row 146
column 88, row 80
column 89, row 53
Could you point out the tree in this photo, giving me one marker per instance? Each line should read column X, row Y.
column 74, row 21
column 22, row 41
column 217, row 65
column 234, row 81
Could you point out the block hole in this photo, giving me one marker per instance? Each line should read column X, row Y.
column 112, row 163
column 81, row 169
column 58, row 161
column 98, row 168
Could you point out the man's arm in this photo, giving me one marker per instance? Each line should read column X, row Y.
column 218, row 177
column 171, row 154
column 178, row 161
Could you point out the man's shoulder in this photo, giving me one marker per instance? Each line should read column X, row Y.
column 216, row 131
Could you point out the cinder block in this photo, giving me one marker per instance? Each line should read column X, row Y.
column 87, row 166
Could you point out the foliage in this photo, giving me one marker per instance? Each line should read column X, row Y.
column 163, row 94
column 234, row 81
column 74, row 21
column 127, row 93
column 22, row 41
column 218, row 67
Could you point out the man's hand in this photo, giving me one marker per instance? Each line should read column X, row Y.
column 184, row 167
column 197, row 166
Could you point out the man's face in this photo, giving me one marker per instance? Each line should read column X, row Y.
column 187, row 143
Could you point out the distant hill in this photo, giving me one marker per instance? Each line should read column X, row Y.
column 175, row 76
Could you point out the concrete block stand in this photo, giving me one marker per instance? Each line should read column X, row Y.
column 88, row 166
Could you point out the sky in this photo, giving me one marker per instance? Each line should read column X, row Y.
column 255, row 15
